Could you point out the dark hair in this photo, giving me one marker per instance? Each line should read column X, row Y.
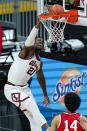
column 72, row 101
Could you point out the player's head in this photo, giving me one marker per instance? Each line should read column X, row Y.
column 39, row 44
column 72, row 101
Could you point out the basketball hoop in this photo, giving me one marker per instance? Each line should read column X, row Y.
column 55, row 24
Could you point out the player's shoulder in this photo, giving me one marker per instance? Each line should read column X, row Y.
column 83, row 118
column 57, row 121
column 26, row 52
column 57, row 118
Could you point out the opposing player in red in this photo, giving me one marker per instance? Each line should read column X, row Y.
column 23, row 68
column 69, row 120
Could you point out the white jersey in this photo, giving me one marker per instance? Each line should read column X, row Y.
column 22, row 70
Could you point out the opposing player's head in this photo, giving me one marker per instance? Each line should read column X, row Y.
column 72, row 101
column 39, row 44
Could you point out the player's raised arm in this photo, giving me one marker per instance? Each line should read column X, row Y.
column 31, row 38
column 28, row 49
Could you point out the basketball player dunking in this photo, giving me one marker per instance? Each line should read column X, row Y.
column 23, row 68
column 70, row 120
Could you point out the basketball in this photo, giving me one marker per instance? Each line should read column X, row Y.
column 56, row 10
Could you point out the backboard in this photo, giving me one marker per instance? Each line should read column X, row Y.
column 80, row 5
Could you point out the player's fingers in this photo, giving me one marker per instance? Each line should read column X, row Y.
column 43, row 102
column 45, row 105
column 42, row 19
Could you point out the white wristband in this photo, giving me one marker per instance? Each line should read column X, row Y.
column 31, row 38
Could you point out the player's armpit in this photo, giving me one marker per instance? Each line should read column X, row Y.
column 54, row 124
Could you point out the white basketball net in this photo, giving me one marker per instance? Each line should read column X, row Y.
column 55, row 29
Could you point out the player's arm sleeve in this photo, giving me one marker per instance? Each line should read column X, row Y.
column 31, row 38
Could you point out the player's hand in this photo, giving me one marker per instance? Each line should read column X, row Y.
column 83, row 122
column 42, row 20
column 46, row 101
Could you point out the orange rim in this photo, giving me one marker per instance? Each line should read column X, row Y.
column 52, row 16
column 72, row 16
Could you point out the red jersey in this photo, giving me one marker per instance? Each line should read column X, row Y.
column 69, row 122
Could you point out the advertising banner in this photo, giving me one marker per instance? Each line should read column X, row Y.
column 61, row 78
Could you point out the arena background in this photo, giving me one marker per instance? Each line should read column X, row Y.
column 17, row 19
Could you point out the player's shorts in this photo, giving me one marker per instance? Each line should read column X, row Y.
column 23, row 98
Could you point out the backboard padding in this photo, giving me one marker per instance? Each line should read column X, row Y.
column 43, row 5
